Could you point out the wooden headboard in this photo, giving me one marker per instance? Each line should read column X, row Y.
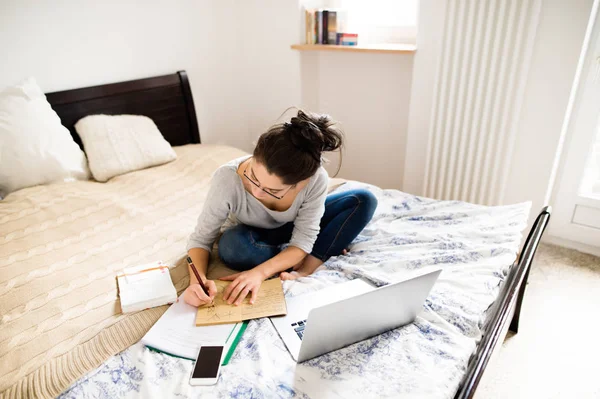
column 167, row 100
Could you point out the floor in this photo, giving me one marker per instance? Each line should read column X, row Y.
column 557, row 350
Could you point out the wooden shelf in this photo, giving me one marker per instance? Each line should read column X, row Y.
column 372, row 48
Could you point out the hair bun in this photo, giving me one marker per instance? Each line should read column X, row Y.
column 314, row 133
column 292, row 150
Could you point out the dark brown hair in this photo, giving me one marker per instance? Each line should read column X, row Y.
column 292, row 150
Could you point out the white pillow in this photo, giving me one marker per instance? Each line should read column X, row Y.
column 117, row 144
column 35, row 148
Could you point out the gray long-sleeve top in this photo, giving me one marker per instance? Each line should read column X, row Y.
column 227, row 198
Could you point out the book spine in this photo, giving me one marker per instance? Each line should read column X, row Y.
column 319, row 16
column 307, row 32
column 325, row 31
column 332, row 27
column 313, row 27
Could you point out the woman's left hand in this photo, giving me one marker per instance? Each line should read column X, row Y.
column 243, row 283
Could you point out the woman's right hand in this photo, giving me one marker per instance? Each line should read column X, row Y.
column 195, row 296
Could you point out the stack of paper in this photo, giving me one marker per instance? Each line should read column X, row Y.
column 145, row 286
column 175, row 333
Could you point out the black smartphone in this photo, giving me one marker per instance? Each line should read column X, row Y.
column 208, row 365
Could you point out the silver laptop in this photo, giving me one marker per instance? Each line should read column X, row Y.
column 346, row 313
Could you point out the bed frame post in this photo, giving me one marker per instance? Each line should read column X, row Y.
column 514, row 324
column 545, row 213
column 511, row 295
column 189, row 104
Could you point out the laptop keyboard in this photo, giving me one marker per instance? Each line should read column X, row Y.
column 299, row 328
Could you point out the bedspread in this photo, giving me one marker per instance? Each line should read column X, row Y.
column 474, row 245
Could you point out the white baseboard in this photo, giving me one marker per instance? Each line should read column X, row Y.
column 588, row 249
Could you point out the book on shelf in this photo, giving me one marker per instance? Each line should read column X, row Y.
column 319, row 27
column 347, row 39
column 326, row 26
column 325, row 29
column 331, row 27
column 311, row 27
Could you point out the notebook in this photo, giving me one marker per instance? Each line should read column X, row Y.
column 270, row 302
column 175, row 333
column 145, row 286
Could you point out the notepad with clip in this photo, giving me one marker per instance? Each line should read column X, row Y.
column 145, row 286
column 270, row 302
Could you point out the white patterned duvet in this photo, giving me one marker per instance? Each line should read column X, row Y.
column 474, row 245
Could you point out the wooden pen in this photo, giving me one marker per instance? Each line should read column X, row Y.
column 189, row 260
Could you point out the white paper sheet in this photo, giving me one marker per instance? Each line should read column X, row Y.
column 176, row 333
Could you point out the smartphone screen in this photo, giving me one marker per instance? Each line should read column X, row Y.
column 208, row 362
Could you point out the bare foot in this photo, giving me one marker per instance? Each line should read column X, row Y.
column 308, row 266
column 292, row 276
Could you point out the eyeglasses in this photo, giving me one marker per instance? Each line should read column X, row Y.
column 257, row 184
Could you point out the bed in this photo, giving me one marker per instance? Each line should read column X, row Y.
column 66, row 241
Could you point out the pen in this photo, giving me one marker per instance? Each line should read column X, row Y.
column 197, row 276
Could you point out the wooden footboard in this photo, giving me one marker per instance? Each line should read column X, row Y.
column 507, row 308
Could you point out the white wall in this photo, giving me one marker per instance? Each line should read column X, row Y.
column 369, row 94
column 237, row 53
column 268, row 70
column 242, row 75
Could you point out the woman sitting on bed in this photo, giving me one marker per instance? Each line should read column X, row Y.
column 276, row 196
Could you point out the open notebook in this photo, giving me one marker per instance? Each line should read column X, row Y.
column 270, row 302
column 175, row 333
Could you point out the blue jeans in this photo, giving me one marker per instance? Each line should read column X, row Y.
column 243, row 247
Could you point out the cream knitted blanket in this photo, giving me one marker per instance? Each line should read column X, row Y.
column 61, row 246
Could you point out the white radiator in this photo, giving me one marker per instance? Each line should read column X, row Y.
column 477, row 97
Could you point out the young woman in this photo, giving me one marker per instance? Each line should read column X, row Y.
column 276, row 196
